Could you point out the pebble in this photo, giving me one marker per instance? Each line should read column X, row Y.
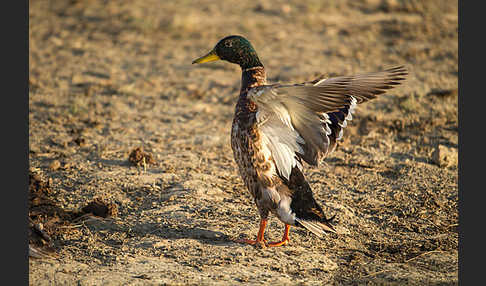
column 54, row 165
column 444, row 156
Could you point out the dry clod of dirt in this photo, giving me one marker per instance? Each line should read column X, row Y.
column 49, row 222
column 40, row 243
column 98, row 207
column 41, row 209
column 140, row 158
column 445, row 156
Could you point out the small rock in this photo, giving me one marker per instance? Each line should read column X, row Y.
column 54, row 165
column 444, row 156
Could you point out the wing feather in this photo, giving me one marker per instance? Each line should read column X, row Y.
column 303, row 121
column 281, row 140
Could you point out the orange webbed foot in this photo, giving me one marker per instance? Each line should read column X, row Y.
column 279, row 243
column 260, row 241
column 285, row 238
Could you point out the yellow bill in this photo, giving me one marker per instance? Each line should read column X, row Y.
column 210, row 57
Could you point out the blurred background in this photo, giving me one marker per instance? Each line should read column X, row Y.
column 137, row 43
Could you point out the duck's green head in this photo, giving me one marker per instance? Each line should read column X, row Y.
column 234, row 49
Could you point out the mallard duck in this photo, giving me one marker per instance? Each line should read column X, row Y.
column 278, row 127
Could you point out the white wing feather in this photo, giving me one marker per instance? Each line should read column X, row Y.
column 294, row 119
column 277, row 125
column 281, row 140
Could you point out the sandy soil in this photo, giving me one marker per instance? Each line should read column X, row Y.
column 107, row 77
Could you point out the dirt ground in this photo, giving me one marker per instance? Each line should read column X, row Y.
column 108, row 77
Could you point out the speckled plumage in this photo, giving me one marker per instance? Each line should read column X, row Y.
column 278, row 127
column 246, row 140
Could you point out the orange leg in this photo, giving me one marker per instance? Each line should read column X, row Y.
column 285, row 238
column 260, row 239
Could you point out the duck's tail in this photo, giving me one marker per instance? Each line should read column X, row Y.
column 308, row 213
column 316, row 227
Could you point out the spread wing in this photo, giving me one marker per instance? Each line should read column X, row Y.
column 303, row 121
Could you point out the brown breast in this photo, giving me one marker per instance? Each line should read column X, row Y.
column 246, row 140
column 242, row 142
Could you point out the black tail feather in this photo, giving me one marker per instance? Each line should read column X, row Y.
column 309, row 214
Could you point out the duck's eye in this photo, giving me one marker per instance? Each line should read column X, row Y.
column 228, row 44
